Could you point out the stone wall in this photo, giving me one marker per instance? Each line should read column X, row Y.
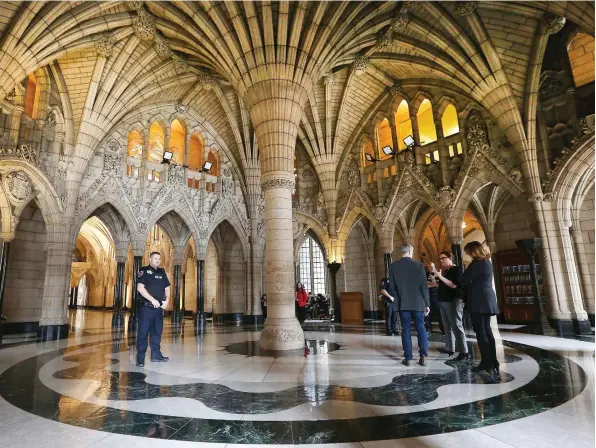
column 587, row 226
column 357, row 269
column 26, row 268
column 516, row 221
column 211, row 277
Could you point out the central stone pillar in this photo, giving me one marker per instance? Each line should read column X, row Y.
column 276, row 107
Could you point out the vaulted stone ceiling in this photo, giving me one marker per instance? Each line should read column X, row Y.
column 116, row 57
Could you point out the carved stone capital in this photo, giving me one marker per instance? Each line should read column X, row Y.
column 401, row 22
column 536, row 197
column 384, row 39
column 360, row 64
column 396, row 88
column 465, row 8
column 161, row 47
column 552, row 23
column 278, row 183
column 144, row 25
column 180, row 63
column 105, row 45
column 329, row 79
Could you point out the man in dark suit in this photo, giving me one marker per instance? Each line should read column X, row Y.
column 407, row 283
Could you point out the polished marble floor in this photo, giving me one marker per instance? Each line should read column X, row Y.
column 346, row 388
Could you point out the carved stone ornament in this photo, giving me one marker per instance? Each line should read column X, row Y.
column 550, row 197
column 360, row 64
column 144, row 25
column 384, row 39
column 553, row 23
column 536, row 197
column 176, row 175
column 297, row 228
column 18, row 185
column 105, row 45
column 550, row 85
column 278, row 183
column 261, row 228
column 465, row 8
column 112, row 165
column 51, row 119
column 135, row 5
column 396, row 88
column 401, row 22
column 205, row 79
column 63, row 200
column 180, row 64
column 446, row 197
column 380, row 212
column 14, row 221
column 515, row 175
column 354, row 179
column 181, row 109
column 586, row 126
column 25, row 152
column 227, row 188
column 329, row 79
column 161, row 47
column 10, row 96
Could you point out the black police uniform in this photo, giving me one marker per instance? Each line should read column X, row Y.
column 155, row 281
column 391, row 310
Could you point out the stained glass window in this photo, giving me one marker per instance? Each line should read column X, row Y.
column 195, row 152
column 177, row 142
column 426, row 123
column 449, row 121
column 156, row 143
column 135, row 144
column 403, row 123
column 312, row 267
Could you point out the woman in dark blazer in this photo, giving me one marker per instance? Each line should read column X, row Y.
column 481, row 303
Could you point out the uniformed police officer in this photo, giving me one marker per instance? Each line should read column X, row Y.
column 391, row 309
column 154, row 287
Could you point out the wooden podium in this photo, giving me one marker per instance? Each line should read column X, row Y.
column 352, row 308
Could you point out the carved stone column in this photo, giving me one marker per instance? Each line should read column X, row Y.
column 176, row 311
column 133, row 320
column 443, row 150
column 54, row 312
column 584, row 273
column 334, row 298
column 4, row 251
column 276, row 107
column 15, row 125
column 200, row 313
column 118, row 317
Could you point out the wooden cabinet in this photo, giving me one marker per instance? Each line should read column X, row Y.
column 352, row 311
column 515, row 284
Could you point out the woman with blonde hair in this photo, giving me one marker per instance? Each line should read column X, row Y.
column 481, row 303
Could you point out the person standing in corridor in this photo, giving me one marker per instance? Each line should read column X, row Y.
column 154, row 287
column 408, row 285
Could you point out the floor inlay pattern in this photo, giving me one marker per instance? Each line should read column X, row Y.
column 557, row 381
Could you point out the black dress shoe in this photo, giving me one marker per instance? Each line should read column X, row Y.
column 396, row 333
column 162, row 359
column 406, row 362
column 388, row 334
column 481, row 368
column 463, row 357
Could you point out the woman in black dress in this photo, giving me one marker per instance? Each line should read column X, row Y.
column 481, row 303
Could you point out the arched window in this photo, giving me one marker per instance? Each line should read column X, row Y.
column 403, row 123
column 312, row 267
column 367, row 148
column 212, row 157
column 384, row 138
column 426, row 123
column 30, row 95
column 135, row 145
column 214, row 171
column 177, row 142
column 581, row 58
column 449, row 121
column 156, row 143
column 195, row 152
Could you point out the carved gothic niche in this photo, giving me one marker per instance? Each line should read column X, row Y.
column 18, row 186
